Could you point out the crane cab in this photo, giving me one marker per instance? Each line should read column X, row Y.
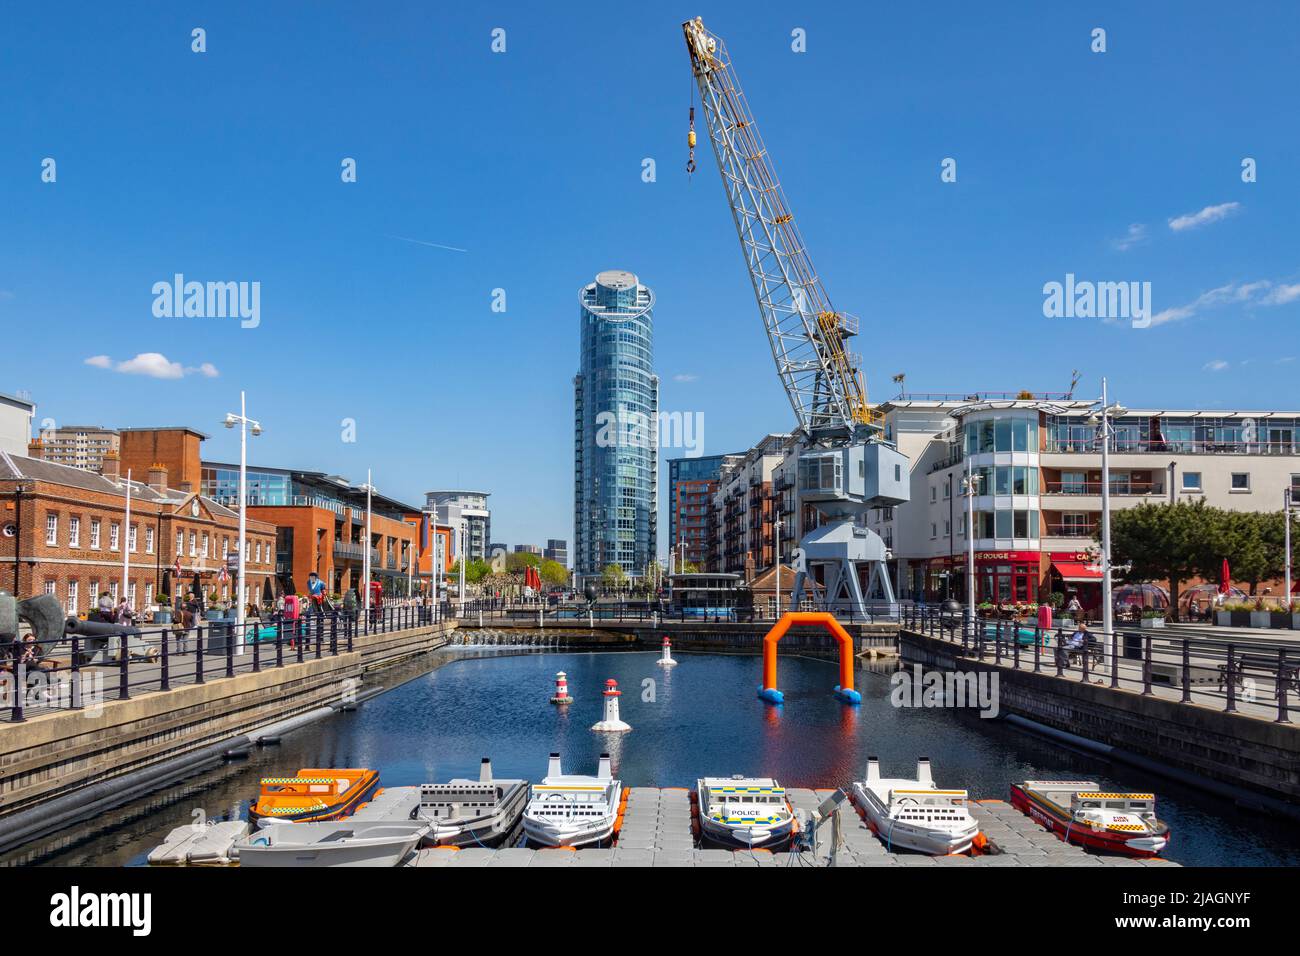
column 857, row 476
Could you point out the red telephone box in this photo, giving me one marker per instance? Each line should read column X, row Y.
column 376, row 594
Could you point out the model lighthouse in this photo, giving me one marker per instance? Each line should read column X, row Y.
column 667, row 659
column 561, row 690
column 611, row 721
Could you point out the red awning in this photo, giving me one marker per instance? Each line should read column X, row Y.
column 1077, row 572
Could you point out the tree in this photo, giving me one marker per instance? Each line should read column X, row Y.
column 690, row 567
column 518, row 560
column 475, row 570
column 554, row 573
column 1171, row 542
column 613, row 577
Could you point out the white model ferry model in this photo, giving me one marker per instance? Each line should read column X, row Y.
column 482, row 812
column 744, row 812
column 915, row 814
column 572, row 810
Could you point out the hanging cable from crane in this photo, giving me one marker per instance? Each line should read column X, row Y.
column 690, row 143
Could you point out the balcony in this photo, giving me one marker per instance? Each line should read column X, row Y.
column 1070, row 531
column 1127, row 489
column 348, row 550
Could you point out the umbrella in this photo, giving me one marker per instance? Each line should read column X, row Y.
column 1225, row 579
column 268, row 592
column 167, row 582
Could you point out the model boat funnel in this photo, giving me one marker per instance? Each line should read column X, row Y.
column 485, row 770
column 923, row 775
column 553, row 766
column 605, row 770
column 873, row 769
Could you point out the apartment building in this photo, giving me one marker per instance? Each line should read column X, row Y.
column 692, row 483
column 744, row 510
column 79, row 446
column 1037, row 462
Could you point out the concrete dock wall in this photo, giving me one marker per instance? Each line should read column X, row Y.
column 1234, row 749
column 55, row 754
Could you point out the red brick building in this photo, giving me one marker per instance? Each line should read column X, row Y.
column 63, row 531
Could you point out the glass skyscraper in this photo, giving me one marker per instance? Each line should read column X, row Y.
column 615, row 438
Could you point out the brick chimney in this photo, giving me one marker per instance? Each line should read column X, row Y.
column 110, row 468
column 158, row 477
column 36, row 448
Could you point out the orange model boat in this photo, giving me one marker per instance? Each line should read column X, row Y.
column 313, row 795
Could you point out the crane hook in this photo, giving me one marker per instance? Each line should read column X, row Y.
column 690, row 143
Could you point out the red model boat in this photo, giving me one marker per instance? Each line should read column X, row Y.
column 1080, row 812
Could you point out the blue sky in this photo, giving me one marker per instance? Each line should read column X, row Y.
column 225, row 166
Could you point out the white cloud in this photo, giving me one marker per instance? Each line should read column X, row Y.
column 685, row 377
column 1207, row 215
column 1217, row 365
column 1262, row 292
column 1136, row 235
column 153, row 365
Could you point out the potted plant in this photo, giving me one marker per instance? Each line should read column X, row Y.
column 1295, row 615
column 1280, row 616
column 1153, row 617
column 163, row 613
column 1259, row 616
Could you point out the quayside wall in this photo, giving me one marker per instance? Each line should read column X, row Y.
column 1245, row 755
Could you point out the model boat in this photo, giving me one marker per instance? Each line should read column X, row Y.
column 915, row 814
column 1080, row 812
column 482, row 812
column 744, row 812
column 313, row 795
column 572, row 810
column 203, row 844
column 331, row 843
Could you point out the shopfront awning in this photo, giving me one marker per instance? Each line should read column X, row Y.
column 1076, row 572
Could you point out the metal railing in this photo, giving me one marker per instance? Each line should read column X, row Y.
column 1259, row 678
column 81, row 671
column 637, row 612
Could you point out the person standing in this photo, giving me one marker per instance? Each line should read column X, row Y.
column 316, row 593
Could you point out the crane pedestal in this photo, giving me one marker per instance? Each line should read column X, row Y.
column 849, row 564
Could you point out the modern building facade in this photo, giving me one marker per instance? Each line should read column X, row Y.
column 615, row 436
column 691, row 486
column 320, row 523
column 1038, row 465
column 79, row 446
column 15, row 424
column 557, row 550
column 746, row 509
column 467, row 512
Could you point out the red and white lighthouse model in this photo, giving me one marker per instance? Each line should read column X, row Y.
column 667, row 659
column 611, row 721
column 561, row 690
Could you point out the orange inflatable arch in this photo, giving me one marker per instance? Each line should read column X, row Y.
column 844, row 690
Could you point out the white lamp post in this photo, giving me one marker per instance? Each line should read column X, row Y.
column 776, row 550
column 365, row 553
column 1286, row 518
column 245, row 425
column 970, row 488
column 1101, row 420
column 125, row 540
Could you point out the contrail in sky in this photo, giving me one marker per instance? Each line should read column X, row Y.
column 421, row 242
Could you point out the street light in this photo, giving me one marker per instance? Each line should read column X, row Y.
column 365, row 552
column 970, row 484
column 1100, row 419
column 246, row 425
column 1286, row 518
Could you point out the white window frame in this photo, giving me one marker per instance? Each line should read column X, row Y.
column 74, row 532
column 1190, row 488
column 114, row 536
column 130, row 537
column 148, row 539
column 51, row 528
column 1232, row 488
column 73, row 596
column 94, row 533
